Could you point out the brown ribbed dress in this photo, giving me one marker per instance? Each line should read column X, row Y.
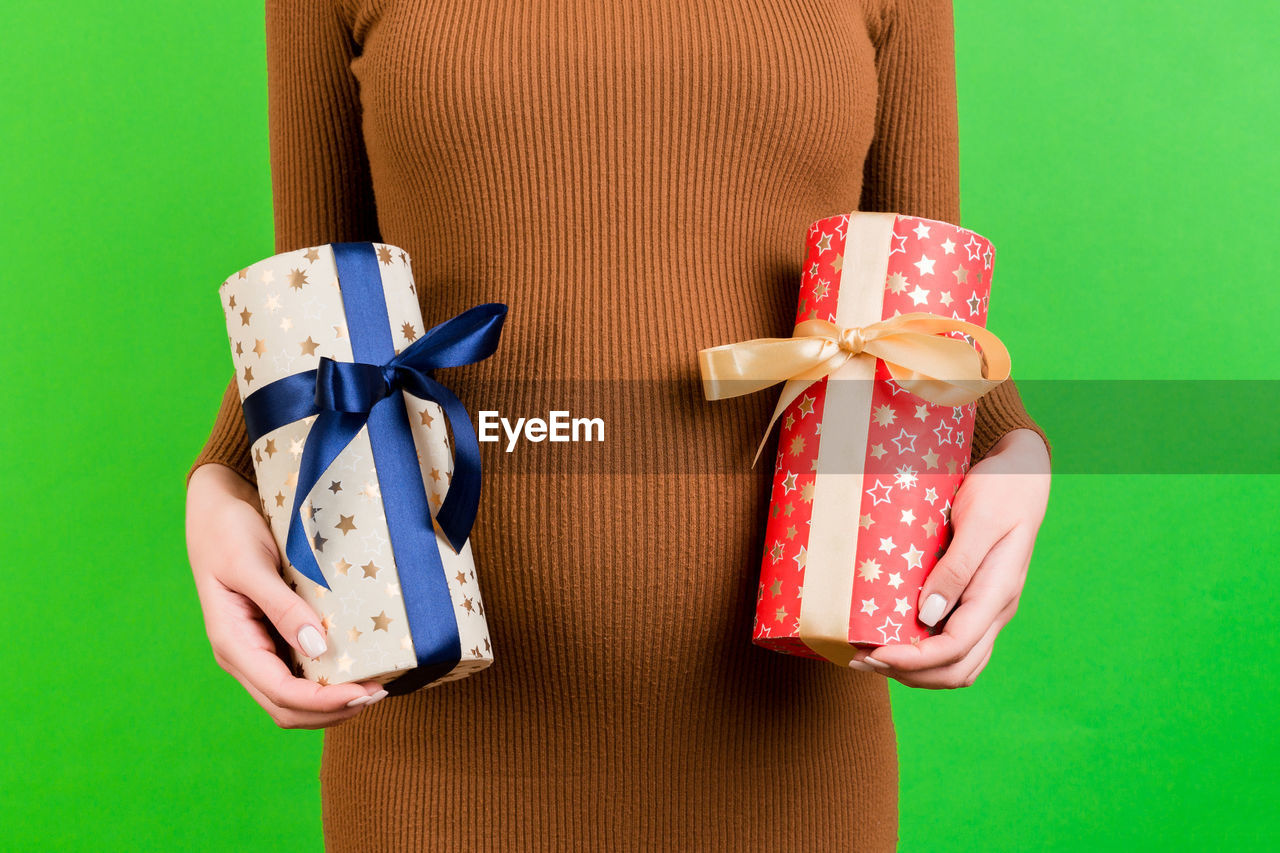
column 634, row 178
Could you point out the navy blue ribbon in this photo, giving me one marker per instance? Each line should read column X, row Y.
column 345, row 396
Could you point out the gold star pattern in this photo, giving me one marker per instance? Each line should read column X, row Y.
column 370, row 569
column 838, row 263
column 426, row 417
column 244, row 317
column 308, row 346
column 797, row 445
column 354, row 634
column 286, row 324
column 270, row 449
column 248, row 374
column 409, row 332
column 865, row 522
column 780, row 614
column 297, row 278
column 467, row 605
column 326, row 621
column 776, row 587
column 824, row 243
column 806, row 494
column 280, row 499
column 312, row 255
column 259, row 347
column 341, row 566
column 346, row 523
column 806, row 405
column 461, row 577
column 381, row 622
column 335, row 486
column 384, row 254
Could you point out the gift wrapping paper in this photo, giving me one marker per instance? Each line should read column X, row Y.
column 857, row 536
column 283, row 314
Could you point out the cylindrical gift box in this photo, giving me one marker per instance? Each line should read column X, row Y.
column 866, row 471
column 283, row 314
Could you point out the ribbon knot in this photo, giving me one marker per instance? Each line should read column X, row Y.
column 852, row 341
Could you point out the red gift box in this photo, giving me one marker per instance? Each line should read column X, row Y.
column 889, row 353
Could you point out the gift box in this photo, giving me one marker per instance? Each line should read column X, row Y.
column 888, row 357
column 367, row 496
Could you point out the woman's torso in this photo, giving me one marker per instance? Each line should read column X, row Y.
column 634, row 179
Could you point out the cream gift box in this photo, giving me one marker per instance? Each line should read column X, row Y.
column 335, row 370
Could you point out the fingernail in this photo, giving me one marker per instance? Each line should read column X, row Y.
column 934, row 606
column 359, row 700
column 878, row 664
column 857, row 664
column 312, row 642
column 375, row 697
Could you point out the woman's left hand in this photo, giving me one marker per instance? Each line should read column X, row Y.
column 996, row 514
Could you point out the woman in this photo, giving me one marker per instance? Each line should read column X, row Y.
column 634, row 180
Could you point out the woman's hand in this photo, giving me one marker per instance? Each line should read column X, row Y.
column 997, row 513
column 236, row 566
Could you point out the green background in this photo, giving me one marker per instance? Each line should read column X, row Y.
column 1122, row 156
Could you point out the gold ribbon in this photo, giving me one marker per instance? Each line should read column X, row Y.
column 941, row 370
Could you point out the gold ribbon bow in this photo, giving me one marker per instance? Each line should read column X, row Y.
column 938, row 369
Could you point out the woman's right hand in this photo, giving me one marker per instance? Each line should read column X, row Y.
column 236, row 563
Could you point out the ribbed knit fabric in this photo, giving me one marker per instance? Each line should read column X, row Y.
column 634, row 178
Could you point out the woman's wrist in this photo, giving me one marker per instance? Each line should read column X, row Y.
column 1026, row 444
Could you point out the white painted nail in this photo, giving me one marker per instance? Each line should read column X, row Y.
column 878, row 664
column 377, row 696
column 934, row 606
column 859, row 665
column 312, row 642
column 359, row 700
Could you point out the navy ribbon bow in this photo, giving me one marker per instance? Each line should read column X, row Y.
column 345, row 396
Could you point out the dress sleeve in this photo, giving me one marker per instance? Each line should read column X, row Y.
column 913, row 165
column 321, row 188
